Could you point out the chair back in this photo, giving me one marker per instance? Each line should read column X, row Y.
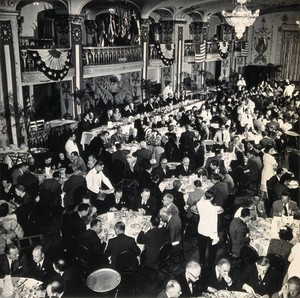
column 164, row 254
column 126, row 262
column 248, row 254
column 277, row 263
column 237, row 174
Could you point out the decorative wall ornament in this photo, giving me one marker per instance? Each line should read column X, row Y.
column 166, row 52
column 90, row 26
column 76, row 19
column 223, row 47
column 5, row 32
column 54, row 64
column 167, row 27
column 62, row 23
column 166, row 73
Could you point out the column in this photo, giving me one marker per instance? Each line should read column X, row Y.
column 180, row 57
column 145, row 45
column 11, row 95
column 76, row 22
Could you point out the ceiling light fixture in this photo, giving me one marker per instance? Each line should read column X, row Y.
column 240, row 18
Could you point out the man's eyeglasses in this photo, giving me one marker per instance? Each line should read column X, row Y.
column 193, row 276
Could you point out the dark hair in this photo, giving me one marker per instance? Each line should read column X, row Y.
column 75, row 153
column 120, row 226
column 8, row 248
column 118, row 146
column 4, row 209
column 209, row 194
column 216, row 177
column 20, row 187
column 268, row 148
column 83, row 207
column 94, row 222
column 118, row 189
column 99, row 163
column 215, row 163
column 263, row 261
column 56, row 174
column 245, row 212
column 286, row 233
column 279, row 170
column 286, row 194
column 197, row 183
column 294, row 280
column 155, row 220
column 57, row 287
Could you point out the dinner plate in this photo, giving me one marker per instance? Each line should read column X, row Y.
column 223, row 294
column 135, row 226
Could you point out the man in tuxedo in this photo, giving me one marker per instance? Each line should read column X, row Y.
column 41, row 268
column 162, row 122
column 186, row 139
column 116, row 201
column 189, row 280
column 94, row 246
column 12, row 264
column 141, row 154
column 238, row 232
column 284, row 206
column 120, row 243
column 218, row 277
column 172, row 289
column 153, row 239
column 259, row 278
column 146, row 203
column 162, row 171
column 185, row 168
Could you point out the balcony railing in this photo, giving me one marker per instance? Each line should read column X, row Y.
column 211, row 48
column 111, row 55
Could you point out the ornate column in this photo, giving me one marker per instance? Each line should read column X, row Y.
column 11, row 97
column 76, row 22
column 145, row 44
column 180, row 57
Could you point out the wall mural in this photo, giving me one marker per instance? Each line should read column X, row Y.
column 261, row 41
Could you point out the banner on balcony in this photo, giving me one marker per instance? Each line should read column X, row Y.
column 54, row 64
column 166, row 52
column 200, row 52
column 245, row 48
column 223, row 47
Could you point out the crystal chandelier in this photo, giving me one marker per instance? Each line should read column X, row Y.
column 240, row 18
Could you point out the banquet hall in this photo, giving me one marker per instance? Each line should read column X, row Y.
column 149, row 148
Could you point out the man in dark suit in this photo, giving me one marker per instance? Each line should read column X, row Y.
column 266, row 140
column 196, row 155
column 220, row 189
column 73, row 226
column 141, row 154
column 238, row 232
column 162, row 171
column 218, row 278
column 153, row 239
column 12, row 264
column 18, row 172
column 218, row 157
column 146, row 203
column 185, row 168
column 253, row 168
column 41, row 268
column 120, row 243
column 284, row 206
column 189, row 280
column 120, row 154
column 116, row 201
column 259, row 278
column 172, row 289
column 186, row 139
column 31, row 183
column 93, row 245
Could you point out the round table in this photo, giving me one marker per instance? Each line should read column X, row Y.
column 103, row 280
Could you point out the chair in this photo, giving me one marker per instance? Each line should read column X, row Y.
column 238, row 176
column 83, row 260
column 164, row 258
column 208, row 143
column 32, row 126
column 228, row 242
column 248, row 254
column 40, row 124
column 119, row 170
column 26, row 243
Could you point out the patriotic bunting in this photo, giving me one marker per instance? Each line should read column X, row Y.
column 166, row 52
column 223, row 49
column 245, row 48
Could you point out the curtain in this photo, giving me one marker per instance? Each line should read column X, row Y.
column 290, row 55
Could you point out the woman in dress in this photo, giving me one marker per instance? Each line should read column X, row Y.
column 269, row 167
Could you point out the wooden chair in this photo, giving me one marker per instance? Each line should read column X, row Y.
column 29, row 242
column 40, row 125
column 248, row 254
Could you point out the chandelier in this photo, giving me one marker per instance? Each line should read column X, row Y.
column 240, row 18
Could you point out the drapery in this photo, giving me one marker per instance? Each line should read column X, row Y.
column 290, row 55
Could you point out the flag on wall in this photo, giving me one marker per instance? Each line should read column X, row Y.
column 200, row 52
column 245, row 48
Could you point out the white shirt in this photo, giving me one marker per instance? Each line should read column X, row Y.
column 70, row 147
column 208, row 223
column 222, row 137
column 167, row 90
column 246, row 119
column 94, row 181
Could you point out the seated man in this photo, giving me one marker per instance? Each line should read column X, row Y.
column 118, row 137
column 259, row 278
column 289, row 290
column 41, row 267
column 145, row 203
column 116, row 201
column 189, row 280
column 173, row 290
column 284, row 206
column 236, row 145
column 185, row 168
column 238, row 232
column 78, row 163
column 55, row 289
column 120, row 243
column 94, row 245
column 12, row 264
column 218, row 278
column 153, row 239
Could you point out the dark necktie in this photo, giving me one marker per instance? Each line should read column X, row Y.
column 260, row 279
column 220, row 278
column 285, row 211
column 39, row 267
column 222, row 136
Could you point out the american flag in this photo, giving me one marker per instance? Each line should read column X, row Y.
column 245, row 48
column 200, row 52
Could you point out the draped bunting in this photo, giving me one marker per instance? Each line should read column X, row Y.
column 166, row 52
column 223, row 47
column 54, row 64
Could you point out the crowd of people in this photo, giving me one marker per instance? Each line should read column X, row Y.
column 61, row 195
